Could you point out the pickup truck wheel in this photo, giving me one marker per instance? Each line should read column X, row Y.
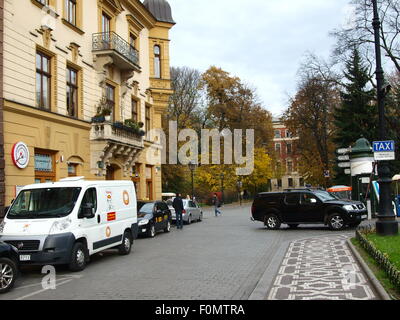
column 336, row 222
column 8, row 274
column 293, row 226
column 78, row 257
column 125, row 247
column 272, row 222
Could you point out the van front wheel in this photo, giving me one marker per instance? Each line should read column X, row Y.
column 78, row 257
column 125, row 247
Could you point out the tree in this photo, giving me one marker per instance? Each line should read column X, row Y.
column 310, row 116
column 357, row 115
column 359, row 32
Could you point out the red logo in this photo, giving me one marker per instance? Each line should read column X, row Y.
column 111, row 216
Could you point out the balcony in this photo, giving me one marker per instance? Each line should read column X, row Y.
column 109, row 140
column 124, row 56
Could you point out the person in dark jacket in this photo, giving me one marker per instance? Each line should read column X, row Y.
column 216, row 204
column 178, row 206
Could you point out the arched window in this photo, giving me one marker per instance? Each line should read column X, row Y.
column 157, row 61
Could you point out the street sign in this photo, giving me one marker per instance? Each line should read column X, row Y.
column 344, row 165
column 347, row 171
column 344, row 158
column 383, row 146
column 343, row 150
column 384, row 150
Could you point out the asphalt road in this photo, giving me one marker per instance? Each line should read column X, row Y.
column 218, row 258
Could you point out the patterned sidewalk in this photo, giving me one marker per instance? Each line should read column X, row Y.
column 320, row 269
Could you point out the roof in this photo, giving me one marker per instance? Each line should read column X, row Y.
column 160, row 9
column 78, row 182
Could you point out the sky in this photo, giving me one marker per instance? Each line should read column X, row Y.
column 263, row 42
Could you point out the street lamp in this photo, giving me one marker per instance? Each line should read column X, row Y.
column 192, row 167
column 386, row 224
column 222, row 187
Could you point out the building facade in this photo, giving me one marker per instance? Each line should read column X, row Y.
column 85, row 82
column 287, row 158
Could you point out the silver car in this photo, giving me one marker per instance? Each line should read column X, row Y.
column 192, row 211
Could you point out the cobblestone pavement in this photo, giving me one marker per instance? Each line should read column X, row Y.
column 321, row 268
column 219, row 258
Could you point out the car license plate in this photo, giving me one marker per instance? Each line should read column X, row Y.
column 25, row 257
column 364, row 216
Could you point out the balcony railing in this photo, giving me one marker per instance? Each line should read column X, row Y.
column 110, row 131
column 111, row 41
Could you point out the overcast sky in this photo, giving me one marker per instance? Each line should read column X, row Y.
column 261, row 41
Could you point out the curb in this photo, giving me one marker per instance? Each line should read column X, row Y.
column 370, row 275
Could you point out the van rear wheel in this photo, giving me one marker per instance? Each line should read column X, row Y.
column 78, row 257
column 125, row 247
column 272, row 222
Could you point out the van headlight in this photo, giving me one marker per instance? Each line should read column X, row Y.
column 143, row 222
column 61, row 225
column 2, row 225
column 348, row 207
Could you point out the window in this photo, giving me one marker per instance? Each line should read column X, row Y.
column 289, row 148
column 289, row 166
column 277, row 134
column 288, row 134
column 89, row 197
column 307, row 198
column 105, row 23
column 72, row 92
column 43, row 78
column 72, row 170
column 110, row 97
column 71, row 11
column 290, row 182
column 132, row 40
column 148, row 119
column 292, row 199
column 301, row 182
column 278, row 148
column 135, row 111
column 44, row 167
column 157, row 61
column 279, row 183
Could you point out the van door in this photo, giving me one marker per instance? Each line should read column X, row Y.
column 90, row 226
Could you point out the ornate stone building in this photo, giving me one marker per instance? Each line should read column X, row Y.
column 84, row 83
column 287, row 158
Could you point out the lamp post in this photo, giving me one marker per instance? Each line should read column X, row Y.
column 386, row 224
column 222, row 176
column 192, row 167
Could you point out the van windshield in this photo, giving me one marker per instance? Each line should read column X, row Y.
column 44, row 203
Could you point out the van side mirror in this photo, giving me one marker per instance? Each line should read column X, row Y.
column 87, row 211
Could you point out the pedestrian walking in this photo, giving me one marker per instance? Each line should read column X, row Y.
column 178, row 206
column 217, row 204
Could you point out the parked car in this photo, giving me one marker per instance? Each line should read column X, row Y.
column 306, row 206
column 66, row 222
column 153, row 216
column 192, row 212
column 8, row 266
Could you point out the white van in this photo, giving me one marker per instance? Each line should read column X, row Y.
column 66, row 222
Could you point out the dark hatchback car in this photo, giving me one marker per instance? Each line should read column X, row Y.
column 306, row 206
column 153, row 216
column 8, row 266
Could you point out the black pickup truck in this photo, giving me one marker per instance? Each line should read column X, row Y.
column 306, row 206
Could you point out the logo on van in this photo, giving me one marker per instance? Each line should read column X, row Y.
column 108, row 232
column 125, row 197
column 111, row 216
